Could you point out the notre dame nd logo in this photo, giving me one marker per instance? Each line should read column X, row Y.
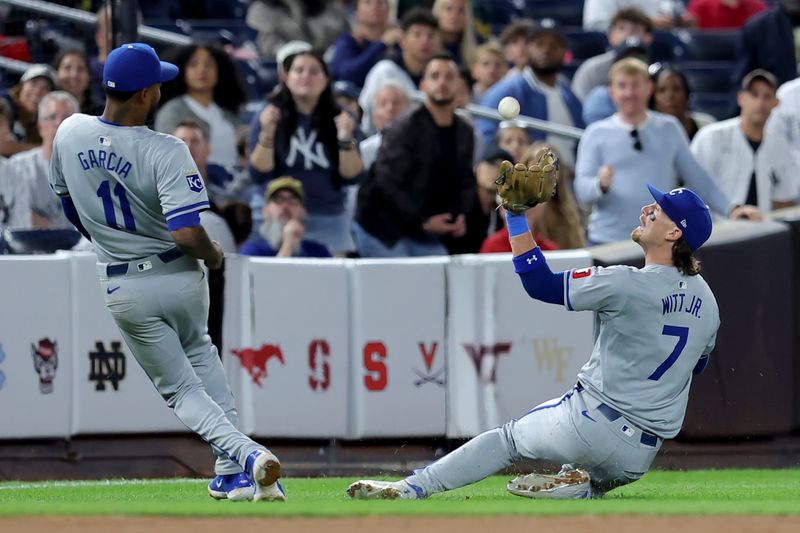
column 107, row 365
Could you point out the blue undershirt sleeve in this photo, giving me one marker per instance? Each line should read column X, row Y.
column 539, row 281
column 187, row 220
column 72, row 215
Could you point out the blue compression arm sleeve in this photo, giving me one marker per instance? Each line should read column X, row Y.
column 537, row 278
column 72, row 215
column 517, row 224
column 701, row 365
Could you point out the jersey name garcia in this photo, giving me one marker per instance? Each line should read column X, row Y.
column 108, row 160
column 131, row 186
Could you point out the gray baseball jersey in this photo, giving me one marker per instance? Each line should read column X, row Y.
column 652, row 325
column 127, row 183
column 131, row 186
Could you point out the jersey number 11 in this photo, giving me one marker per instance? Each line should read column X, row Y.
column 104, row 192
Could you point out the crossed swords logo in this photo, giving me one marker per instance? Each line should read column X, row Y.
column 435, row 378
column 428, row 355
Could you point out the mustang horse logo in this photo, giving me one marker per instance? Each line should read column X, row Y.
column 255, row 360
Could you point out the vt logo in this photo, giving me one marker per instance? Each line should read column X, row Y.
column 478, row 352
column 255, row 361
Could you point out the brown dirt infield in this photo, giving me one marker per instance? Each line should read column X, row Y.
column 584, row 524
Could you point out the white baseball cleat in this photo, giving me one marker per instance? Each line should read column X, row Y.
column 265, row 469
column 566, row 485
column 367, row 489
column 270, row 493
column 235, row 487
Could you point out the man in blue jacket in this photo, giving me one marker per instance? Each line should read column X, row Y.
column 541, row 92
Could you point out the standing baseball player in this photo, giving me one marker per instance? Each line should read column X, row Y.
column 655, row 327
column 137, row 195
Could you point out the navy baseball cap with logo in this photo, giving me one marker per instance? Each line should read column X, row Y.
column 688, row 211
column 135, row 66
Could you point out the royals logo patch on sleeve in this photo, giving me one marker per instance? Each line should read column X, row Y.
column 581, row 273
column 195, row 182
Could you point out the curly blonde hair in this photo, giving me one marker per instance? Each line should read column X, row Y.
column 561, row 220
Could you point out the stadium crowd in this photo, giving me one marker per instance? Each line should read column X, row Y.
column 301, row 117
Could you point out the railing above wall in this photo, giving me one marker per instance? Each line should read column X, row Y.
column 79, row 16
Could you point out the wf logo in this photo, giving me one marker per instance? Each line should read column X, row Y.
column 550, row 357
column 107, row 365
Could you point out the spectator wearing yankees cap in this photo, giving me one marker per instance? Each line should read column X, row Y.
column 281, row 234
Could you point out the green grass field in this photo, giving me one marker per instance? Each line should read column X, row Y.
column 692, row 493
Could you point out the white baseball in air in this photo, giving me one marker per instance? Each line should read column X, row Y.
column 508, row 107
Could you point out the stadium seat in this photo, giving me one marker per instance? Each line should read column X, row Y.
column 709, row 76
column 174, row 26
column 667, row 47
column 710, row 45
column 233, row 31
column 565, row 12
column 569, row 70
column 719, row 105
column 260, row 77
column 217, row 9
column 586, row 44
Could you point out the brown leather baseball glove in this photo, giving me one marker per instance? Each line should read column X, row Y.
column 521, row 187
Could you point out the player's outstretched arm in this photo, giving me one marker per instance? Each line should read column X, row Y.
column 194, row 241
column 539, row 281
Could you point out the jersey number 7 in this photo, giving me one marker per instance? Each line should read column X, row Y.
column 104, row 192
column 682, row 333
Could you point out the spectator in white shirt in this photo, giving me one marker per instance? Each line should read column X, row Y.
column 748, row 164
column 32, row 167
column 785, row 119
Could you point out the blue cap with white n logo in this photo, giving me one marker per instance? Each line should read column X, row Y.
column 135, row 66
column 688, row 211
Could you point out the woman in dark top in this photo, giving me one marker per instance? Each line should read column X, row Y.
column 72, row 69
column 671, row 96
column 301, row 133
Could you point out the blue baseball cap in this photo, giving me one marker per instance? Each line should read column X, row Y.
column 135, row 66
column 688, row 211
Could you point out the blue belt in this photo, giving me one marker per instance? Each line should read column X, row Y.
column 120, row 269
column 648, row 439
